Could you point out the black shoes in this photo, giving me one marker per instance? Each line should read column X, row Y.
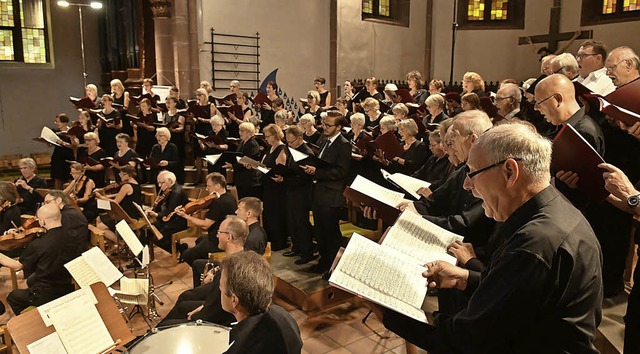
column 181, row 247
column 291, row 254
column 305, row 259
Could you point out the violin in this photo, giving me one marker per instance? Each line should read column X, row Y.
column 195, row 206
column 5, row 205
column 160, row 198
column 77, row 186
column 109, row 188
column 21, row 236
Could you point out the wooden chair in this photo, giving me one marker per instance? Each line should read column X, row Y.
column 97, row 237
column 5, row 346
column 148, row 193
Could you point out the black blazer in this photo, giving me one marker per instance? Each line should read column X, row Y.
column 329, row 181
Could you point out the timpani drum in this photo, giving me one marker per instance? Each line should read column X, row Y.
column 190, row 338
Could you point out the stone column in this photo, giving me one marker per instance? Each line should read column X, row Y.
column 182, row 47
column 195, row 48
column 163, row 41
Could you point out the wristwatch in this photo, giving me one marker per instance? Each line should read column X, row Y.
column 633, row 201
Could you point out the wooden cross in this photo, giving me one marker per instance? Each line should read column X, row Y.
column 554, row 35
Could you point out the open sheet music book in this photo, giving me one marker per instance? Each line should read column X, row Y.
column 383, row 200
column 390, row 274
column 92, row 267
column 407, row 183
column 129, row 237
column 48, row 136
column 133, row 291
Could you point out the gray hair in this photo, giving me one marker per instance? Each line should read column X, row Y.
column 164, row 131
column 315, row 94
column 29, row 162
column 409, row 125
column 56, row 193
column 357, row 118
column 436, row 99
column 566, row 62
column 238, row 229
column 512, row 90
column 388, row 122
column 167, row 174
column 472, row 122
column 626, row 53
column 250, row 278
column 281, row 115
column 217, row 119
column 518, row 140
column 247, row 127
column 400, row 108
column 307, row 118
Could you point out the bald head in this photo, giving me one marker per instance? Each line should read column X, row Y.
column 623, row 66
column 556, row 99
column 49, row 216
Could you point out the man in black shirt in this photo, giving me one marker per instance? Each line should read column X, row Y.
column 249, row 210
column 542, row 290
column 172, row 197
column 27, row 185
column 222, row 206
column 74, row 224
column 203, row 302
column 246, row 287
column 43, row 265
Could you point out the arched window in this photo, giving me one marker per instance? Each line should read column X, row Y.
column 491, row 14
column 609, row 11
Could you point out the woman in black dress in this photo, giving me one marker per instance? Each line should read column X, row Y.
column 175, row 122
column 415, row 152
column 121, row 101
column 202, row 111
column 165, row 154
column 415, row 81
column 275, row 209
column 109, row 125
column 9, row 210
column 313, row 105
column 81, row 189
column 248, row 181
column 62, row 153
column 311, row 134
column 144, row 129
column 325, row 95
column 95, row 172
column 127, row 194
column 216, row 142
column 125, row 156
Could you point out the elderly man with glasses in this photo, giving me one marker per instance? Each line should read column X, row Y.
column 542, row 290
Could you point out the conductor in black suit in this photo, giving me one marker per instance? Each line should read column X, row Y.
column 328, row 185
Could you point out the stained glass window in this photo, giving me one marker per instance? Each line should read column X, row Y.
column 497, row 10
column 367, row 6
column 630, row 5
column 23, row 39
column 608, row 6
column 384, row 8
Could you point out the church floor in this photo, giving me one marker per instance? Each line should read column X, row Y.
column 335, row 330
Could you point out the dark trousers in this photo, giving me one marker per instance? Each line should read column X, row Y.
column 274, row 216
column 37, row 295
column 298, row 224
column 248, row 191
column 204, row 246
column 178, row 313
column 632, row 317
column 327, row 230
column 197, row 268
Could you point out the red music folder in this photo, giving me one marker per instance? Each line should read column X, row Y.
column 572, row 153
column 623, row 104
column 405, row 96
column 261, row 98
column 82, row 103
column 390, row 145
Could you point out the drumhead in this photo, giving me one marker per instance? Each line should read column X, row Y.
column 188, row 338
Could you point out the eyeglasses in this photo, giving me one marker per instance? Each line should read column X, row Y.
column 537, row 104
column 559, row 70
column 470, row 175
column 325, row 124
column 223, row 232
column 611, row 68
column 498, row 99
column 584, row 55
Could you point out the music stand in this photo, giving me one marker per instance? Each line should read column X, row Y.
column 29, row 326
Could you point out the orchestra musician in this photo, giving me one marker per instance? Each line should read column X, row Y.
column 327, row 198
column 170, row 197
column 81, row 190
column 127, row 194
column 203, row 302
column 165, row 153
column 61, row 153
column 43, row 265
column 27, row 185
column 110, row 126
column 248, row 180
column 74, row 224
column 93, row 150
column 222, row 206
column 9, row 210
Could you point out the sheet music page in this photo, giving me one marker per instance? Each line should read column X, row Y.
column 212, row 159
column 82, row 272
column 133, row 291
column 85, row 294
column 408, row 183
column 97, row 260
column 297, row 155
column 382, row 275
column 129, row 237
column 50, row 344
column 103, row 204
column 377, row 191
column 420, row 239
column 80, row 327
column 263, row 170
column 146, row 258
column 48, row 135
column 200, row 136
